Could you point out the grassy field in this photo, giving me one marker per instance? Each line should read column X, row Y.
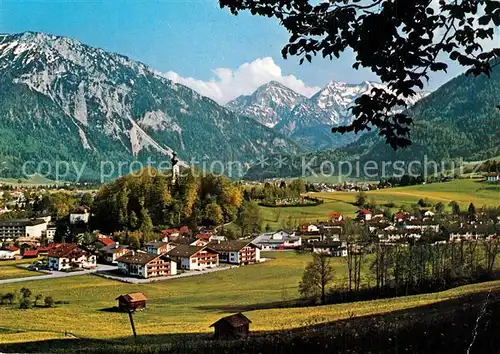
column 9, row 269
column 189, row 305
column 306, row 213
column 9, row 272
column 34, row 180
column 463, row 191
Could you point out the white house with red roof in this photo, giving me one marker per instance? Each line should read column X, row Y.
column 68, row 256
column 336, row 217
column 401, row 216
column 105, row 240
column 364, row 214
column 9, row 253
column 205, row 236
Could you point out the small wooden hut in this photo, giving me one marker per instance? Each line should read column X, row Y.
column 132, row 302
column 232, row 327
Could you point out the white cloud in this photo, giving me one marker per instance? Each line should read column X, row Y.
column 229, row 84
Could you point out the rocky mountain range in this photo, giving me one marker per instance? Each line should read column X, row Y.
column 308, row 121
column 63, row 100
column 458, row 122
column 269, row 104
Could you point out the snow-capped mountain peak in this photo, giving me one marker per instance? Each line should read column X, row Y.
column 307, row 120
column 269, row 104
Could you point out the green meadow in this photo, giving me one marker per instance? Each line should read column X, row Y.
column 190, row 305
column 10, row 269
column 463, row 191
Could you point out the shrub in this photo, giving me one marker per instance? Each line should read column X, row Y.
column 49, row 301
column 25, row 303
column 25, row 293
column 9, row 297
column 38, row 297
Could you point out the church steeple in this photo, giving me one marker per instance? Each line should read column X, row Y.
column 175, row 167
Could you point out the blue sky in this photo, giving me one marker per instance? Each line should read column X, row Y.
column 187, row 38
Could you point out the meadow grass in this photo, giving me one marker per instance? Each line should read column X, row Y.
column 301, row 214
column 189, row 305
column 463, row 191
column 9, row 269
column 10, row 272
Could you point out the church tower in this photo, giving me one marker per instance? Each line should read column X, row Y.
column 175, row 167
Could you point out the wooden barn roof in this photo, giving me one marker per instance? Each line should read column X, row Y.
column 133, row 297
column 236, row 320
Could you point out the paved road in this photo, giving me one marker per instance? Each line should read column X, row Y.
column 56, row 274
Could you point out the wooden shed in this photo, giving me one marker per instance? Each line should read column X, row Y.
column 132, row 302
column 232, row 327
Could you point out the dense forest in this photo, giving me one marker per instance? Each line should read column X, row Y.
column 138, row 201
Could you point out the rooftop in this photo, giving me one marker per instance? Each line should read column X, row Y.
column 22, row 222
column 185, row 251
column 137, row 258
column 236, row 320
column 66, row 250
column 133, row 297
column 230, row 246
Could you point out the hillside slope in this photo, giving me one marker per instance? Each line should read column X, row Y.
column 63, row 100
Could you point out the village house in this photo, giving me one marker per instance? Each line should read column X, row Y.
column 30, row 254
column 277, row 240
column 112, row 252
column 199, row 243
column 398, row 235
column 103, row 241
column 169, row 234
column 68, row 256
column 364, row 215
column 330, row 248
column 493, row 177
column 205, row 236
column 80, row 216
column 331, row 229
column 380, row 224
column 194, row 258
column 132, row 302
column 50, row 233
column 377, row 214
column 429, row 214
column 44, row 250
column 146, row 265
column 336, row 217
column 471, row 232
column 10, row 252
column 237, row 252
column 11, row 230
column 309, row 228
column 232, row 327
column 421, row 225
column 219, row 238
column 158, row 247
column 401, row 216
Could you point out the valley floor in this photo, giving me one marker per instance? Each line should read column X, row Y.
column 190, row 305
